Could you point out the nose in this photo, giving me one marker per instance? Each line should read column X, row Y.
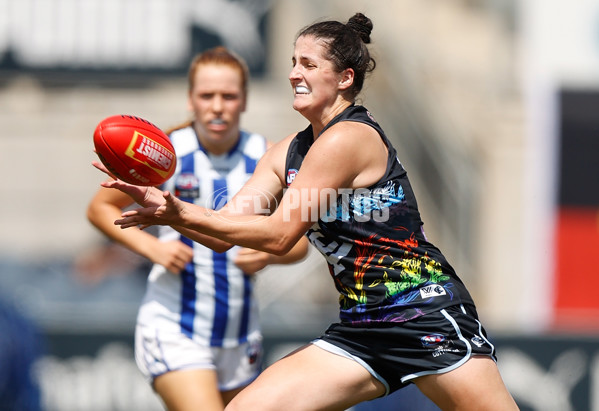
column 294, row 74
column 217, row 104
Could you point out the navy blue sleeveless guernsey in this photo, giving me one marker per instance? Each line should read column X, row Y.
column 382, row 264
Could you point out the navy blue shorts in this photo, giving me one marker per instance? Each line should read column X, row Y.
column 396, row 353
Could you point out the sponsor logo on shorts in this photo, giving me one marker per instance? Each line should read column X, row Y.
column 438, row 344
column 432, row 291
column 432, row 340
column 448, row 347
column 478, row 341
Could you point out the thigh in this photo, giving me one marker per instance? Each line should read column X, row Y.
column 308, row 379
column 475, row 385
column 228, row 395
column 158, row 352
column 189, row 390
column 238, row 366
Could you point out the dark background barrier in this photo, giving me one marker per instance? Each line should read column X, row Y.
column 89, row 371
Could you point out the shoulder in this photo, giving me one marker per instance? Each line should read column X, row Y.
column 253, row 144
column 353, row 151
column 184, row 140
column 349, row 135
column 276, row 155
column 281, row 147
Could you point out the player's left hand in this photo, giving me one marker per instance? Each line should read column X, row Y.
column 251, row 261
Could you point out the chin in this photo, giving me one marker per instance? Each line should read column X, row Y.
column 298, row 106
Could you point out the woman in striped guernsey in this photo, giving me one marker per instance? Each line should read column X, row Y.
column 198, row 340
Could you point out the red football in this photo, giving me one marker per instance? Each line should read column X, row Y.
column 135, row 150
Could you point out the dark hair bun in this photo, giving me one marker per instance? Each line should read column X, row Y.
column 361, row 25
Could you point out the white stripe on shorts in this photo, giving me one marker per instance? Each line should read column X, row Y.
column 340, row 351
column 451, row 367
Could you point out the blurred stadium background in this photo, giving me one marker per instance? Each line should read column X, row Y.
column 493, row 105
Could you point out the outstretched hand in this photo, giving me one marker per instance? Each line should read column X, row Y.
column 169, row 213
column 142, row 195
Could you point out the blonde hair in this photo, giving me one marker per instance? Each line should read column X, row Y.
column 219, row 55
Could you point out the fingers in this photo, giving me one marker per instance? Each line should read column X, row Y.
column 109, row 183
column 141, row 217
column 183, row 256
column 246, row 251
column 174, row 255
column 126, row 223
column 169, row 197
column 131, row 213
column 132, row 219
column 100, row 166
column 163, row 214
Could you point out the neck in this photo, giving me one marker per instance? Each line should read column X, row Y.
column 319, row 124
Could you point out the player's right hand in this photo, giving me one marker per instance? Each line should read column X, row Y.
column 170, row 213
column 142, row 195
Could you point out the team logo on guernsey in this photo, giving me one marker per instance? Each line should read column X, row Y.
column 432, row 291
column 291, row 173
column 187, row 185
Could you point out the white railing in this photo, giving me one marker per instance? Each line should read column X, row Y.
column 124, row 33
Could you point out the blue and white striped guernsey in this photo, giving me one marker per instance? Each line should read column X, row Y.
column 211, row 301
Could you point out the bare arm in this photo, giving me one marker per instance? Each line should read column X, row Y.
column 348, row 155
column 144, row 196
column 249, row 201
column 106, row 205
column 252, row 261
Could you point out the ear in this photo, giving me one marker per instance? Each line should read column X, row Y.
column 244, row 103
column 347, row 79
column 189, row 105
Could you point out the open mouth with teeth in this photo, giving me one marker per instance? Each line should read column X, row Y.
column 301, row 90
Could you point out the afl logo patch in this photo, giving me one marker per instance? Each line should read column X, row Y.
column 370, row 116
column 291, row 173
column 187, row 186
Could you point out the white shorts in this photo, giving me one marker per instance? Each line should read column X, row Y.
column 158, row 352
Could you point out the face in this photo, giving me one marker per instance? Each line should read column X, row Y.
column 315, row 83
column 217, row 100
